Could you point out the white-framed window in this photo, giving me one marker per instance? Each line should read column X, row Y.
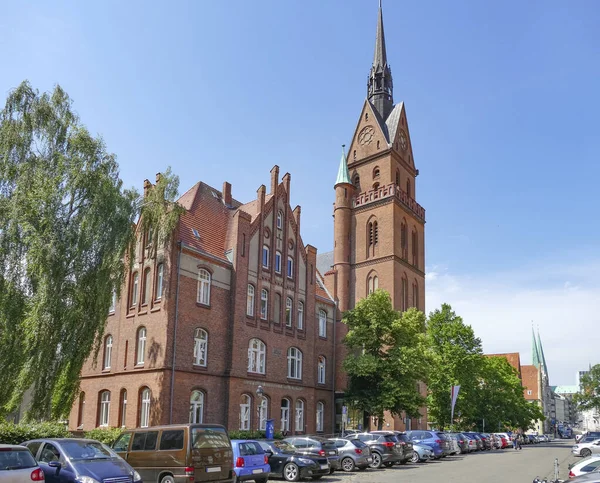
column 279, row 219
column 257, row 353
column 250, row 300
column 134, row 291
column 320, row 416
column 204, row 287
column 108, row 344
column 104, row 408
column 290, row 267
column 245, row 406
column 264, row 304
column 321, row 368
column 300, row 321
column 147, row 286
column 263, row 410
column 141, row 346
column 197, row 407
column 200, row 347
column 373, row 284
column 265, row 256
column 289, row 305
column 285, row 414
column 145, row 408
column 159, row 281
column 322, row 323
column 113, row 302
column 278, row 262
column 299, row 415
column 294, row 358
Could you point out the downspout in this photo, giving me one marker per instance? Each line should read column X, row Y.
column 334, row 368
column 175, row 335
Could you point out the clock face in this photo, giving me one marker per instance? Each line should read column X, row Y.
column 366, row 135
column 403, row 141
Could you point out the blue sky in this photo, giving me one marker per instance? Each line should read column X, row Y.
column 502, row 102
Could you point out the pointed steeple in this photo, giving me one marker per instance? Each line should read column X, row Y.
column 380, row 86
column 541, row 353
column 343, row 173
column 535, row 353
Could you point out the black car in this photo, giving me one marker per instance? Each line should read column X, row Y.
column 385, row 448
column 75, row 460
column 406, row 444
column 287, row 463
column 316, row 446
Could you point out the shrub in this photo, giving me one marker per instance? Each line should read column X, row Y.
column 105, row 435
column 253, row 434
column 11, row 433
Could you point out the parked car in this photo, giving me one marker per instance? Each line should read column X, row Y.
column 405, row 443
column 353, row 453
column 251, row 461
column 452, row 443
column 429, row 438
column 584, row 466
column 478, row 441
column 463, row 442
column 487, row 442
column 316, row 446
column 17, row 464
column 592, row 477
column 422, row 453
column 385, row 448
column 586, row 449
column 504, row 440
column 73, row 460
column 287, row 463
column 165, row 454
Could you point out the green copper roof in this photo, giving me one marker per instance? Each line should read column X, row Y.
column 343, row 174
column 541, row 353
column 535, row 352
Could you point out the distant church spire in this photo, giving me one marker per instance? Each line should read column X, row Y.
column 380, row 86
column 535, row 352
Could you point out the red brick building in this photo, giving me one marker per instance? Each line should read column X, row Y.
column 237, row 301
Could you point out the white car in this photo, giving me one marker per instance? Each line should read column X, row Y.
column 586, row 449
column 17, row 465
column 586, row 465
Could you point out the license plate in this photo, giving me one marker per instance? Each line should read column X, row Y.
column 214, row 469
column 332, row 452
column 259, row 470
column 324, row 467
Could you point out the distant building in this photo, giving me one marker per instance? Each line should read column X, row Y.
column 513, row 358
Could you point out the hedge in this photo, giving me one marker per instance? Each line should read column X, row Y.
column 105, row 435
column 11, row 433
column 253, row 435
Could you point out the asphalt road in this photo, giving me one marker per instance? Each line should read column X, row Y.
column 500, row 466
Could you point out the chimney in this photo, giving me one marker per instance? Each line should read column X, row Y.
column 227, row 193
column 287, row 177
column 260, row 196
column 147, row 186
column 274, row 179
column 158, row 177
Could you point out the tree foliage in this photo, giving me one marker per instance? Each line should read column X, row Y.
column 65, row 224
column 589, row 397
column 387, row 357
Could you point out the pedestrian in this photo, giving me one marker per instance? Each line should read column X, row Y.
column 516, row 442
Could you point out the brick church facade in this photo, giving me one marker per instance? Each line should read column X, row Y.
column 237, row 320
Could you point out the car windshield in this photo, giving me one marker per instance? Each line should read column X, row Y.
column 11, row 459
column 213, row 438
column 402, row 437
column 87, row 450
column 282, row 447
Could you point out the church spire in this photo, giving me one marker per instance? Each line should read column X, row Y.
column 380, row 85
column 535, row 352
column 343, row 174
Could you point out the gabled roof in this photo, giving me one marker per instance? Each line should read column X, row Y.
column 513, row 358
column 321, row 290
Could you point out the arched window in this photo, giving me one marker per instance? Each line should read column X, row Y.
column 397, row 176
column 372, row 284
column 81, row 410
column 354, row 155
column 375, row 233
column 140, row 349
column 134, row 289
column 321, row 369
column 104, row 408
column 403, row 241
column 250, row 301
column 204, row 287
column 376, row 172
column 200, row 347
column 415, row 294
column 279, row 219
column 288, row 311
column 265, row 256
column 263, row 410
column 196, row 407
column 377, row 144
column 415, row 248
column 320, row 416
column 159, row 281
column 299, row 426
column 264, row 304
column 404, row 294
column 322, row 323
column 257, row 354
column 366, row 116
column 294, row 358
column 108, row 344
column 145, row 399
column 123, row 408
column 278, row 262
column 290, row 267
column 147, row 287
column 300, row 321
column 285, row 415
column 408, row 190
column 245, row 406
column 356, row 180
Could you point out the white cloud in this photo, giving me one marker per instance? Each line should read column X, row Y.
column 564, row 301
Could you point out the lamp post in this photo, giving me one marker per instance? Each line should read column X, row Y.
column 260, row 392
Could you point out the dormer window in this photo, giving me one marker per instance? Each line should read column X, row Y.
column 376, row 172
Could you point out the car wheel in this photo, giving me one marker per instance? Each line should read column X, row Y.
column 585, row 452
column 348, row 464
column 376, row 460
column 291, row 472
column 415, row 457
column 167, row 479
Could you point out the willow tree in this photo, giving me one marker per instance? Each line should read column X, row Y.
column 66, row 222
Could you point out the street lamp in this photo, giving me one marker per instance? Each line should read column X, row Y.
column 260, row 392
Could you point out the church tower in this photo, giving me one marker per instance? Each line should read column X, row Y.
column 379, row 226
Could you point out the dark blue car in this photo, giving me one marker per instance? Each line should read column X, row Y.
column 74, row 460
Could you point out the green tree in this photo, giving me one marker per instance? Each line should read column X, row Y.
column 387, row 357
column 589, row 397
column 66, row 223
column 456, row 359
